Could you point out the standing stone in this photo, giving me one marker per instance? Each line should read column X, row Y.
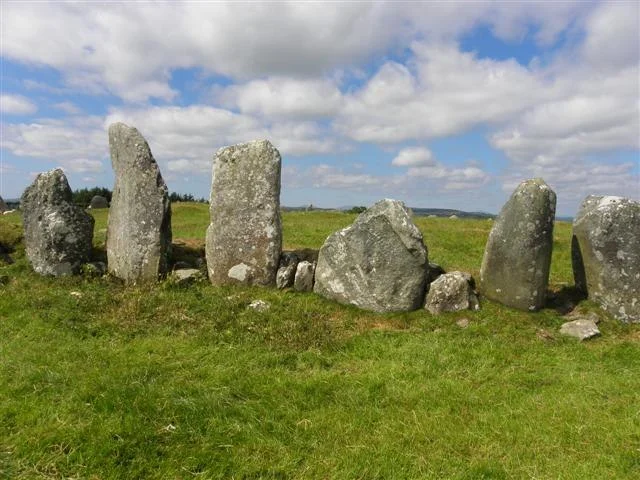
column 605, row 251
column 57, row 234
column 517, row 258
column 451, row 292
column 304, row 277
column 3, row 206
column 244, row 238
column 139, row 228
column 98, row 201
column 378, row 263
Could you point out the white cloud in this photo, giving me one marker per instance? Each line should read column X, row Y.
column 413, row 157
column 131, row 50
column 68, row 107
column 16, row 105
column 283, row 97
column 326, row 176
column 84, row 165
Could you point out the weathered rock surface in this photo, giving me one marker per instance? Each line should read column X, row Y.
column 57, row 234
column 185, row 276
column 378, row 263
column 605, row 252
column 139, row 227
column 581, row 329
column 433, row 272
column 517, row 257
column 286, row 276
column 3, row 206
column 244, row 238
column 303, row 281
column 98, row 201
column 451, row 292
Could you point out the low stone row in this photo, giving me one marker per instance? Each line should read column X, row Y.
column 379, row 263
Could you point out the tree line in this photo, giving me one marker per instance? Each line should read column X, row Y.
column 83, row 196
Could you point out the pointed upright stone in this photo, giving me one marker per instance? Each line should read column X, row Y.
column 244, row 238
column 139, row 227
column 517, row 257
column 378, row 263
column 605, row 251
column 57, row 233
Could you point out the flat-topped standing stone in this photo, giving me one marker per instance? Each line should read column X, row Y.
column 517, row 257
column 605, row 251
column 57, row 234
column 139, row 228
column 378, row 263
column 244, row 238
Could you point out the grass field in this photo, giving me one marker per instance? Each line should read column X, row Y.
column 99, row 381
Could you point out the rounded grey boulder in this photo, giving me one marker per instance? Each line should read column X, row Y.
column 517, row 257
column 378, row 263
column 605, row 251
column 244, row 238
column 98, row 201
column 139, row 227
column 57, row 234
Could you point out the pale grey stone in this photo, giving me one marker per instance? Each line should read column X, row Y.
column 244, row 238
column 285, row 276
column 57, row 233
column 581, row 329
column 606, row 254
column 98, row 201
column 463, row 322
column 185, row 276
column 259, row 306
column 517, row 257
column 451, row 292
column 378, row 263
column 303, row 281
column 139, row 227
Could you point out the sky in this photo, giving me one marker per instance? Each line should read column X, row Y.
column 437, row 104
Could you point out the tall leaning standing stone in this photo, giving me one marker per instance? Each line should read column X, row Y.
column 378, row 263
column 244, row 238
column 517, row 257
column 57, row 233
column 139, row 228
column 605, row 251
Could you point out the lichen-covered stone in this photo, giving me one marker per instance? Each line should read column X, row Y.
column 139, row 227
column 606, row 254
column 451, row 292
column 378, row 263
column 98, row 201
column 244, row 238
column 517, row 257
column 57, row 234
column 303, row 281
column 580, row 329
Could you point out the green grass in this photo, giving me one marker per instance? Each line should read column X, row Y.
column 167, row 382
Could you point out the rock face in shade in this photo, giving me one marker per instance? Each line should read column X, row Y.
column 378, row 263
column 139, row 228
column 244, row 238
column 605, row 251
column 98, row 201
column 57, row 234
column 517, row 257
column 451, row 292
column 3, row 206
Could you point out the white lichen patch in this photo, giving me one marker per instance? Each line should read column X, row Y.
column 239, row 272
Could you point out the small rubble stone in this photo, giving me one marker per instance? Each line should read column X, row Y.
column 304, row 277
column 463, row 322
column 451, row 292
column 259, row 306
column 185, row 276
column 581, row 329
